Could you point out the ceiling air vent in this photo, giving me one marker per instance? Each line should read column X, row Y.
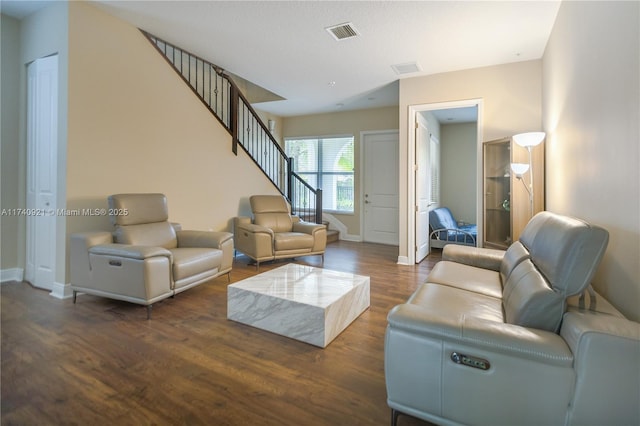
column 408, row 68
column 342, row 31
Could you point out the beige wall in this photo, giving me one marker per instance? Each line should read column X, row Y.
column 134, row 126
column 511, row 96
column 591, row 110
column 458, row 170
column 10, row 140
column 344, row 123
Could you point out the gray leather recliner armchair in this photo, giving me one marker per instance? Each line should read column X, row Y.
column 275, row 234
column 498, row 338
column 146, row 259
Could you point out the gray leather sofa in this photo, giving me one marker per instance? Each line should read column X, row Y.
column 273, row 233
column 512, row 337
column 146, row 258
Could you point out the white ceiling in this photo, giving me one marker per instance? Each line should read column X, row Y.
column 283, row 46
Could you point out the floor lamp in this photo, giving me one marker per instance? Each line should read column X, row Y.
column 528, row 141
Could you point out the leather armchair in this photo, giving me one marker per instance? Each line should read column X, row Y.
column 146, row 258
column 504, row 337
column 275, row 234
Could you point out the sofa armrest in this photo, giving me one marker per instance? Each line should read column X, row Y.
column 308, row 227
column 209, row 239
column 485, row 335
column 254, row 229
column 80, row 243
column 474, row 256
column 607, row 353
column 319, row 233
column 129, row 251
column 137, row 274
column 253, row 240
column 442, row 366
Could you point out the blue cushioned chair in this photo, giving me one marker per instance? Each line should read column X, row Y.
column 445, row 229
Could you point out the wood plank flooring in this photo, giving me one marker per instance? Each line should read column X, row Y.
column 100, row 362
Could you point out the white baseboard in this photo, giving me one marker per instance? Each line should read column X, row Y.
column 13, row 274
column 61, row 291
column 403, row 260
column 351, row 237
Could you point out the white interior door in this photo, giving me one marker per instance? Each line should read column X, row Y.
column 422, row 189
column 380, row 189
column 42, row 132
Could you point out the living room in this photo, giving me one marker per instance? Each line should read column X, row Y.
column 583, row 92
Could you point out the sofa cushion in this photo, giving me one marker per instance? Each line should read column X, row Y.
column 442, row 218
column 278, row 222
column 188, row 262
column 529, row 301
column 292, row 241
column 454, row 302
column 465, row 277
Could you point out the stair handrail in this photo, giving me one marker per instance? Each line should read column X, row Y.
column 283, row 177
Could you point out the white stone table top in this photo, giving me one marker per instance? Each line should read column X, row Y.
column 300, row 283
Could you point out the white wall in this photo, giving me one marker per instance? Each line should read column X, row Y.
column 458, row 170
column 591, row 114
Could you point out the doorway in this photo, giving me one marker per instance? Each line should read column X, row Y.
column 42, row 147
column 380, row 186
column 440, row 113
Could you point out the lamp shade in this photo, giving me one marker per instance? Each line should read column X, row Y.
column 529, row 139
column 519, row 168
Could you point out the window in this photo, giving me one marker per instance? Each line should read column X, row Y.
column 326, row 163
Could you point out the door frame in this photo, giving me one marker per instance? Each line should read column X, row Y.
column 363, row 134
column 411, row 161
column 422, row 171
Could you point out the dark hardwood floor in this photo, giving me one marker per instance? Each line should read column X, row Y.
column 102, row 362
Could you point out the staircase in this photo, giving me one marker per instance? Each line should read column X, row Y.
column 332, row 234
column 222, row 97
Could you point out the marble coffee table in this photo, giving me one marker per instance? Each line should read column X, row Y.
column 309, row 304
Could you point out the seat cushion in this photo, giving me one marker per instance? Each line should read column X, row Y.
column 188, row 262
column 442, row 218
column 292, row 241
column 465, row 277
column 457, row 303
